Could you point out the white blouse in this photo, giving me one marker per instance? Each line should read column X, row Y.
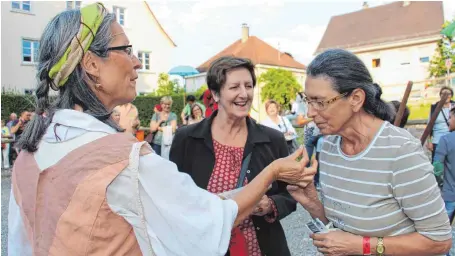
column 181, row 218
column 283, row 126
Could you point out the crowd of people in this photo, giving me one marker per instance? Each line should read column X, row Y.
column 82, row 184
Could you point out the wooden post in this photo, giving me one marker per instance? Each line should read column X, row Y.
column 403, row 103
column 430, row 124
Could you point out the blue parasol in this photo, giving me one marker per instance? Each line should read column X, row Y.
column 183, row 71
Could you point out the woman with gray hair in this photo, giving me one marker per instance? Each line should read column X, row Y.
column 82, row 187
column 229, row 149
column 377, row 184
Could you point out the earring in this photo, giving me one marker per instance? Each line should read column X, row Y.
column 97, row 84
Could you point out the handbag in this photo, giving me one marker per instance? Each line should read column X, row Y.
column 238, row 245
column 290, row 140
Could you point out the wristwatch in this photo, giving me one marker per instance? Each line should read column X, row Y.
column 380, row 248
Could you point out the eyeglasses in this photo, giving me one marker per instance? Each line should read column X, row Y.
column 320, row 105
column 126, row 48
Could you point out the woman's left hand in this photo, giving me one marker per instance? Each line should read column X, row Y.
column 338, row 243
column 263, row 207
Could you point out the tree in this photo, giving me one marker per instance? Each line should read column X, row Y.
column 444, row 51
column 279, row 85
column 167, row 87
column 201, row 89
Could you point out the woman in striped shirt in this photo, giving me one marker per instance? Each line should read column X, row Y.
column 377, row 184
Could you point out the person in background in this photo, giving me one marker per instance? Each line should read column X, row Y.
column 12, row 118
column 209, row 103
column 396, row 105
column 444, row 165
column 82, row 187
column 213, row 152
column 116, row 115
column 161, row 120
column 5, row 146
column 157, row 109
column 277, row 122
column 377, row 185
column 18, row 127
column 186, row 112
column 298, row 110
column 129, row 117
column 196, row 114
column 441, row 126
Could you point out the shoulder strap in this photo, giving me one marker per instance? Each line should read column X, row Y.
column 244, row 169
column 445, row 118
column 284, row 123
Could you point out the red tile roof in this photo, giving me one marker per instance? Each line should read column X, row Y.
column 258, row 51
column 381, row 24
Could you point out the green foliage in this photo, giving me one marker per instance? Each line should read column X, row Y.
column 145, row 104
column 16, row 103
column 437, row 66
column 419, row 111
column 167, row 87
column 279, row 85
column 201, row 90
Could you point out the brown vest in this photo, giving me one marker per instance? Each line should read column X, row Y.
column 64, row 207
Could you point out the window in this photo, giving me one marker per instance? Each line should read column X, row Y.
column 376, row 63
column 21, row 5
column 30, row 51
column 120, row 15
column 424, row 59
column 144, row 58
column 70, row 5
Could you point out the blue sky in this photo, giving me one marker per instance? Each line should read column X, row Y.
column 203, row 28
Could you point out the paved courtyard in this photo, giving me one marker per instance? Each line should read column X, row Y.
column 296, row 233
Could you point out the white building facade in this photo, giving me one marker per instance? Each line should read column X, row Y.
column 392, row 65
column 24, row 21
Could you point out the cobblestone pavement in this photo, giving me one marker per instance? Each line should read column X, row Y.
column 6, row 187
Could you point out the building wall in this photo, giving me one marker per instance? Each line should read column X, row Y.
column 193, row 83
column 146, row 37
column 16, row 74
column 398, row 66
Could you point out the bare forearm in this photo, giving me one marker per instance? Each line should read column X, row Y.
column 251, row 194
column 412, row 244
column 316, row 210
column 15, row 128
column 154, row 126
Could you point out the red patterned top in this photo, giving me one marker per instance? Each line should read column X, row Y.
column 228, row 163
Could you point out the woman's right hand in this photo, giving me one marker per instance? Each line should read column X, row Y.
column 305, row 196
column 294, row 171
column 430, row 146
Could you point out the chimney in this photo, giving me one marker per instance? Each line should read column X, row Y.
column 245, row 32
column 365, row 5
column 406, row 3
